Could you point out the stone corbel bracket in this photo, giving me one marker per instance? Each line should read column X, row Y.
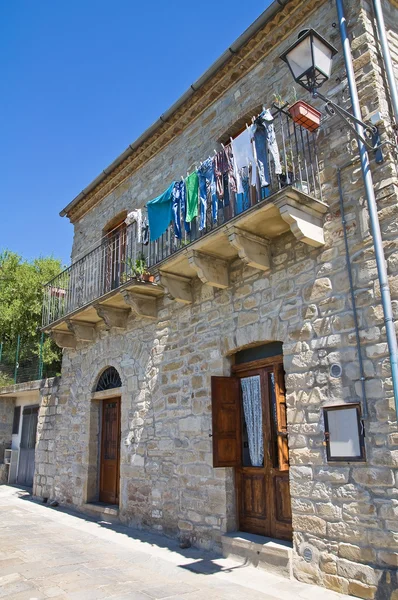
column 112, row 317
column 142, row 305
column 178, row 287
column 83, row 332
column 304, row 218
column 252, row 249
column 64, row 339
column 210, row 269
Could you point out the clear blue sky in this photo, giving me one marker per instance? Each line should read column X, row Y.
column 79, row 81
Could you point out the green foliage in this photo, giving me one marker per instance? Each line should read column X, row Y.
column 138, row 267
column 21, row 298
column 5, row 380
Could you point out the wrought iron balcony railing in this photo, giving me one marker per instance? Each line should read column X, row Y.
column 112, row 263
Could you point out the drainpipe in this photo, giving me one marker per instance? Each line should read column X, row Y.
column 364, row 402
column 385, row 50
column 372, row 206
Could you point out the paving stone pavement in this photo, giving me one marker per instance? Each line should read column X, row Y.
column 58, row 554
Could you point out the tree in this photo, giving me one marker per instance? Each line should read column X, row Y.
column 21, row 299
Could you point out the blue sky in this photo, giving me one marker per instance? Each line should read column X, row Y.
column 80, row 80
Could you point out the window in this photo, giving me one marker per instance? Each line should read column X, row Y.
column 344, row 433
column 108, row 380
column 17, row 418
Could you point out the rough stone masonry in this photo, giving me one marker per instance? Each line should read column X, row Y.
column 345, row 513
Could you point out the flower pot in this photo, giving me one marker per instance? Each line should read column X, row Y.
column 306, row 115
column 147, row 277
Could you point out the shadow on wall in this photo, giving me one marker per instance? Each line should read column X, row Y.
column 387, row 585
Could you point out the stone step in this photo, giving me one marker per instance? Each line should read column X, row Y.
column 272, row 555
column 101, row 511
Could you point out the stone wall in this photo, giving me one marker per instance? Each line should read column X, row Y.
column 6, row 419
column 347, row 514
column 46, row 438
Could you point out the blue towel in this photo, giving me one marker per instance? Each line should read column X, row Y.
column 160, row 213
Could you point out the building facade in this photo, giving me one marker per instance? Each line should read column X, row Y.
column 150, row 416
column 24, row 407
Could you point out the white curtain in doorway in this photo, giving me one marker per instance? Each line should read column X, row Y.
column 251, row 394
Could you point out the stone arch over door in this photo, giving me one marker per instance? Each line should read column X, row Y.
column 107, row 385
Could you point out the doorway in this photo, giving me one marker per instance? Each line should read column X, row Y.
column 26, row 465
column 115, row 242
column 110, row 451
column 250, row 434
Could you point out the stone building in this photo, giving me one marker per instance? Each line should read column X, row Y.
column 149, row 417
column 25, row 412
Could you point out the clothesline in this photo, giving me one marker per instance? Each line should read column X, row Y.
column 232, row 169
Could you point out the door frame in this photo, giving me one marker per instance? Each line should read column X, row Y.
column 118, row 399
column 249, row 369
column 26, row 407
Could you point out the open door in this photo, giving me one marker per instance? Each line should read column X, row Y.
column 26, row 466
column 250, row 434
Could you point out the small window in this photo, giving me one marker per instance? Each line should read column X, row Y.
column 108, row 380
column 344, row 433
column 17, row 418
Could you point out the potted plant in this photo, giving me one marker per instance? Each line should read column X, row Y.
column 279, row 102
column 304, row 114
column 287, row 175
column 140, row 269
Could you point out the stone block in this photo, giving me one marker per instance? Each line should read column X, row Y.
column 373, row 477
column 361, row 590
column 309, row 524
column 335, row 583
column 317, row 290
column 356, row 571
column 333, row 475
column 357, row 553
column 389, row 559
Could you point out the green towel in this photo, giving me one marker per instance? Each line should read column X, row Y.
column 192, row 185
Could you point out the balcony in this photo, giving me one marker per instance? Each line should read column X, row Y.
column 104, row 287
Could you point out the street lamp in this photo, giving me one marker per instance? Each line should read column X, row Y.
column 310, row 59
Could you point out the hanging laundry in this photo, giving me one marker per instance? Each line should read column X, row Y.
column 183, row 205
column 135, row 216
column 242, row 149
column 160, row 213
column 265, row 143
column 226, row 189
column 246, row 187
column 206, row 173
column 231, row 169
column 145, row 232
column 192, row 188
column 220, row 166
column 176, row 207
column 243, row 199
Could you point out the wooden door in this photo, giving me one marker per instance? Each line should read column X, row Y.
column 262, row 491
column 110, row 451
column 26, row 465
